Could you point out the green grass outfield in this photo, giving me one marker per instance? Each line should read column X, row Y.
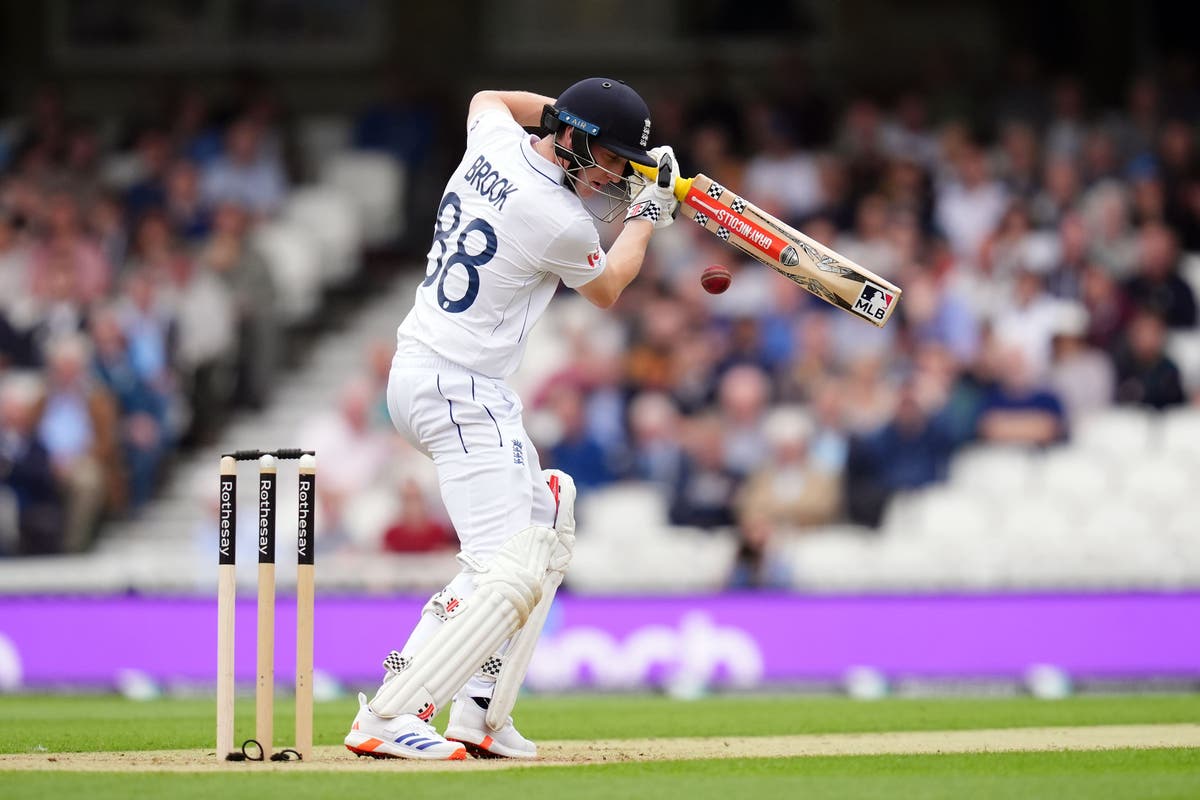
column 57, row 724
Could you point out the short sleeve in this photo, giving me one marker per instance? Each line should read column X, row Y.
column 489, row 124
column 575, row 255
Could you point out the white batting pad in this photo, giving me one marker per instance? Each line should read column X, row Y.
column 516, row 661
column 506, row 592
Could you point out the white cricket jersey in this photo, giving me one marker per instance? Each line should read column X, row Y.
column 506, row 231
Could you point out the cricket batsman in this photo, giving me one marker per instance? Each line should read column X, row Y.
column 515, row 219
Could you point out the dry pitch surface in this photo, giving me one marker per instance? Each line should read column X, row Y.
column 1099, row 737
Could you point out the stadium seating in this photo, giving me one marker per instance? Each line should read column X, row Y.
column 993, row 470
column 1116, row 432
column 1183, row 347
column 376, row 182
column 293, row 254
column 328, row 213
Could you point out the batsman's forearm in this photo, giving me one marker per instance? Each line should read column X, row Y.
column 625, row 259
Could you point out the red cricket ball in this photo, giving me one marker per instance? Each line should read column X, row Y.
column 716, row 279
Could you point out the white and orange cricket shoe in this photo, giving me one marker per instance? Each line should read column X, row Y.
column 467, row 725
column 405, row 736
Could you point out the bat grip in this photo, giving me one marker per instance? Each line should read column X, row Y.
column 682, row 185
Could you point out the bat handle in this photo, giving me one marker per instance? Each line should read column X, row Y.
column 682, row 185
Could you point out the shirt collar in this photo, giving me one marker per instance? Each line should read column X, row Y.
column 552, row 172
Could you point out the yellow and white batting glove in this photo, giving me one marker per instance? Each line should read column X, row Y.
column 655, row 202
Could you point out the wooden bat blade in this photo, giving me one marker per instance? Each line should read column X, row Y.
column 799, row 258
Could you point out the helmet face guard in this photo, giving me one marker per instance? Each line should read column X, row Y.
column 604, row 203
column 601, row 112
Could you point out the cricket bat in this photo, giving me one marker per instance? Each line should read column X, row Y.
column 802, row 260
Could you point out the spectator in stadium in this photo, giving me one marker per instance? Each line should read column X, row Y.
column 937, row 314
column 1058, row 192
column 743, row 343
column 654, row 431
column 379, row 365
column 654, row 335
column 1113, row 242
column 157, row 251
column 1145, row 374
column 907, row 135
column 575, row 450
column 247, row 281
column 15, row 260
column 862, row 148
column 1179, row 163
column 1101, row 156
column 1157, row 285
column 1148, row 198
column 1108, row 308
column 868, row 393
column 693, row 371
column 79, row 425
column 1018, row 410
column 148, row 323
column 788, row 488
column 1066, row 128
column 194, row 135
column 743, row 396
column 908, row 191
column 190, row 217
column 1003, row 252
column 64, row 250
column 755, row 564
column 1019, row 159
column 246, row 173
column 205, row 313
column 417, row 529
column 705, row 488
column 869, row 242
column 106, row 224
column 911, row 450
column 145, row 436
column 829, row 442
column 814, row 359
column 16, row 335
column 1081, row 375
column 1028, row 319
column 148, row 190
column 1065, row 279
column 57, row 303
column 354, row 455
column 27, row 472
column 969, row 208
column 782, row 180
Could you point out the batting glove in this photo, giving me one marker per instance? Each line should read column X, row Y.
column 655, row 202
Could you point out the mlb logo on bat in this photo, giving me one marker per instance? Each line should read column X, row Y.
column 873, row 301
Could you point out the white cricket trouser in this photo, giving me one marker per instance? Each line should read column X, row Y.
column 488, row 471
column 470, row 425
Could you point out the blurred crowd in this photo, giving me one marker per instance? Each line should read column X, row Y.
column 1042, row 245
column 137, row 308
column 1041, row 238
